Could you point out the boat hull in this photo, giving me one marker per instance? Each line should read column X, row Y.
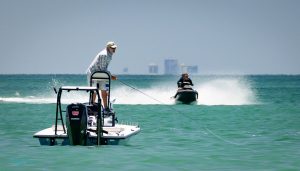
column 186, row 96
column 119, row 134
column 51, row 141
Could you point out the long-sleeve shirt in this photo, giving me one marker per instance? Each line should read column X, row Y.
column 100, row 62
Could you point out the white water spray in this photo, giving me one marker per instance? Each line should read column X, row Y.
column 219, row 91
column 225, row 91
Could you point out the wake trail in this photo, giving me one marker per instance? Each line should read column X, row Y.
column 219, row 91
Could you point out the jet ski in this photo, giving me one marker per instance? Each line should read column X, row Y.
column 186, row 95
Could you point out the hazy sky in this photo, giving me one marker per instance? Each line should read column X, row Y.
column 220, row 36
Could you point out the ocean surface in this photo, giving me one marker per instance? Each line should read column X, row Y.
column 239, row 123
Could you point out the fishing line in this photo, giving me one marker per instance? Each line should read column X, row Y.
column 230, row 142
column 179, row 112
column 141, row 92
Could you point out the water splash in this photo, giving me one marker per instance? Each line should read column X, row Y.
column 218, row 91
column 29, row 99
column 48, row 98
column 226, row 92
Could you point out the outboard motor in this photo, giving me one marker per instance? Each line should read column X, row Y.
column 76, row 119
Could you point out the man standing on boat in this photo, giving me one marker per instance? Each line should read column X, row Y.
column 100, row 63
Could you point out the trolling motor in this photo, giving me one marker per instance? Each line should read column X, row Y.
column 76, row 118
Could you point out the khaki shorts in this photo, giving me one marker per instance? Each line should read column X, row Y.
column 101, row 85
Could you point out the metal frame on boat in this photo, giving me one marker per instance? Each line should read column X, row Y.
column 86, row 123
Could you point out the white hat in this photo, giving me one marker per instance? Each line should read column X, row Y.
column 111, row 45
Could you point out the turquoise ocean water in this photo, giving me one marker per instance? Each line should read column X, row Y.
column 238, row 123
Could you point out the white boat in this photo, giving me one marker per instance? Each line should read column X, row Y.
column 86, row 123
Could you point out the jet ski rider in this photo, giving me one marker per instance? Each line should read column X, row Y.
column 184, row 80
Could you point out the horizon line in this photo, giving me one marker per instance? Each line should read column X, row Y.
column 205, row 74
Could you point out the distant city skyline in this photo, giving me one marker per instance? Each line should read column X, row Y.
column 180, row 67
column 218, row 36
column 153, row 68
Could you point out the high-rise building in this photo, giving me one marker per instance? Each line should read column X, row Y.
column 125, row 70
column 193, row 69
column 153, row 68
column 171, row 67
